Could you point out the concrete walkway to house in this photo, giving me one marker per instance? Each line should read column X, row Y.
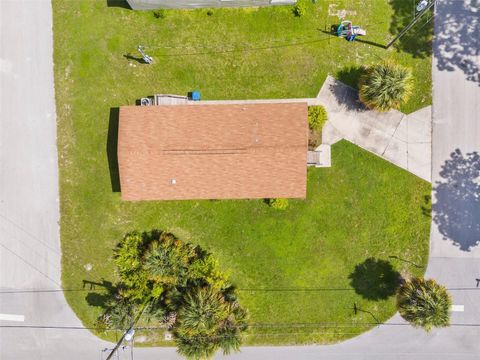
column 404, row 140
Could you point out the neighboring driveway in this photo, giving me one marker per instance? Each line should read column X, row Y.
column 404, row 140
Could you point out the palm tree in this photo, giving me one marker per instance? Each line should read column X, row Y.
column 208, row 321
column 424, row 303
column 385, row 86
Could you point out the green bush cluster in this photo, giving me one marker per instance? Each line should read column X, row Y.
column 179, row 285
column 299, row 9
column 278, row 203
column 160, row 14
column 317, row 116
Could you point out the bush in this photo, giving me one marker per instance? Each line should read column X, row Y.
column 299, row 9
column 279, row 203
column 317, row 116
column 385, row 86
column 160, row 14
column 209, row 12
column 424, row 303
column 179, row 285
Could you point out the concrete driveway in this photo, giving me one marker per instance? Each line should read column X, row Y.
column 404, row 140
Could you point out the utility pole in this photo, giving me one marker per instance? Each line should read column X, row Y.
column 130, row 331
column 413, row 22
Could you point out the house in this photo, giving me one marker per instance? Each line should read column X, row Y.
column 185, row 4
column 213, row 151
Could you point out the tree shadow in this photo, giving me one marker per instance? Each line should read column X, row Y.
column 375, row 279
column 418, row 40
column 346, row 96
column 456, row 210
column 99, row 298
column 457, row 44
column 350, row 75
column 119, row 3
column 112, row 144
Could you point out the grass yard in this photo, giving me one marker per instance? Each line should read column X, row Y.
column 293, row 267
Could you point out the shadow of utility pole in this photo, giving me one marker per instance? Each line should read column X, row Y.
column 356, row 310
column 406, row 261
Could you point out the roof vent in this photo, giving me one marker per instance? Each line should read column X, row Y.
column 173, row 181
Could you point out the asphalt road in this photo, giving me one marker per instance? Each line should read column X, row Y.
column 29, row 209
column 29, row 239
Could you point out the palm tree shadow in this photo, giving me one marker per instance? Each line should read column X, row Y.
column 350, row 75
column 456, row 211
column 375, row 279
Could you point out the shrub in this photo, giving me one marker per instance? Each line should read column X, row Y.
column 317, row 116
column 424, row 303
column 179, row 285
column 209, row 12
column 279, row 203
column 299, row 9
column 160, row 14
column 385, row 86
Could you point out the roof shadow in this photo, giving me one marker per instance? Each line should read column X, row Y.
column 456, row 211
column 119, row 3
column 112, row 145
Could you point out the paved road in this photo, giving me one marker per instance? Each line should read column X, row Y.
column 29, row 240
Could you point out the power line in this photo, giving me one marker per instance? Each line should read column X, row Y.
column 234, row 50
column 103, row 289
column 29, row 264
column 412, row 23
column 254, row 325
column 287, row 41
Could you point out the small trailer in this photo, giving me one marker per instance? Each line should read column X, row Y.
column 349, row 31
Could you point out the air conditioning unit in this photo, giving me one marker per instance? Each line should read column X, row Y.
column 146, row 101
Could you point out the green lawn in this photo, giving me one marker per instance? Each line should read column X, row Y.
column 291, row 267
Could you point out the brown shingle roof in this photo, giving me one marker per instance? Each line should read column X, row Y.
column 213, row 151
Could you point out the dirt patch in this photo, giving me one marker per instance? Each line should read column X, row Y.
column 340, row 13
column 314, row 139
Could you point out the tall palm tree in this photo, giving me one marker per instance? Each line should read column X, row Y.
column 424, row 303
column 385, row 86
column 208, row 321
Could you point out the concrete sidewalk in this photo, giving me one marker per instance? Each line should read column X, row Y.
column 404, row 140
